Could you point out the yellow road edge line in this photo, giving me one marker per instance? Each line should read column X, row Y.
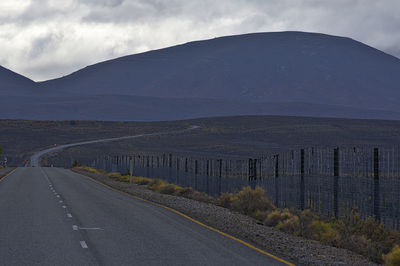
column 1, row 179
column 195, row 221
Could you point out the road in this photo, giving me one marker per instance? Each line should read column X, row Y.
column 35, row 158
column 53, row 216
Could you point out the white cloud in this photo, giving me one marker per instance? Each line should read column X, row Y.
column 44, row 39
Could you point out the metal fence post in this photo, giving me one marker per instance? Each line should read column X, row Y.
column 376, row 185
column 302, row 184
column 277, row 180
column 196, row 171
column 130, row 171
column 220, row 177
column 335, row 181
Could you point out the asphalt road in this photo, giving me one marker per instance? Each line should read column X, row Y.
column 35, row 158
column 52, row 216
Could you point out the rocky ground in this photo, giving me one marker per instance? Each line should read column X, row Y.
column 295, row 249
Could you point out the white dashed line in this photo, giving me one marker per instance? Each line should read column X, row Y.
column 60, row 201
column 75, row 227
column 64, row 206
column 69, row 215
column 90, row 228
column 58, row 196
column 83, row 244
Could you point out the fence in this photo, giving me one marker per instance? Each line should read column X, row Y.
column 330, row 181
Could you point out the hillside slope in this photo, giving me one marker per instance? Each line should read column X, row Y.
column 266, row 67
column 283, row 73
column 13, row 84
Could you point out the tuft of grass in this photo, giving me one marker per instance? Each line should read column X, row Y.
column 114, row 175
column 392, row 258
column 87, row 169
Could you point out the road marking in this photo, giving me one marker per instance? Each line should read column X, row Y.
column 75, row 227
column 90, row 228
column 60, row 201
column 83, row 244
column 1, row 179
column 197, row 222
column 64, row 206
column 58, row 196
column 69, row 215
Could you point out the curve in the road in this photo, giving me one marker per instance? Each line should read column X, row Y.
column 35, row 158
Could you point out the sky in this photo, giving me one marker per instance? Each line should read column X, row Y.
column 45, row 39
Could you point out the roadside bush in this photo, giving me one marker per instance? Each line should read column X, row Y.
column 142, row 180
column 76, row 163
column 87, row 169
column 114, row 175
column 324, row 232
column 248, row 201
column 170, row 189
column 290, row 225
column 124, row 178
column 201, row 196
column 259, row 215
column 393, row 258
column 225, row 200
column 156, row 185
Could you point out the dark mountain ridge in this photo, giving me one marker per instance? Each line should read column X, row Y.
column 260, row 73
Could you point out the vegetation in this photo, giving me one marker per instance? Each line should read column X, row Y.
column 393, row 258
column 366, row 237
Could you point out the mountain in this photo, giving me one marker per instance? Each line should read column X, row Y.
column 288, row 73
column 13, row 84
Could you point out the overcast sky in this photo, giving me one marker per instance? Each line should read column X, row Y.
column 44, row 39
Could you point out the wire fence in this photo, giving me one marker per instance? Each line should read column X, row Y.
column 330, row 181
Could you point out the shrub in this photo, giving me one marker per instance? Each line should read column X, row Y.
column 156, row 184
column 306, row 218
column 142, row 180
column 185, row 192
column 273, row 218
column 76, row 163
column 324, row 232
column 225, row 200
column 259, row 215
column 393, row 258
column 170, row 189
column 248, row 201
column 124, row 178
column 114, row 175
column 290, row 225
column 87, row 169
column 201, row 196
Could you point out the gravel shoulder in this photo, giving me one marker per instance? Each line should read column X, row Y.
column 296, row 249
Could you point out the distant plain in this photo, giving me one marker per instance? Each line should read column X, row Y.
column 239, row 136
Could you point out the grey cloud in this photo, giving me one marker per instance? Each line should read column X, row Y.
column 42, row 44
column 112, row 28
column 104, row 3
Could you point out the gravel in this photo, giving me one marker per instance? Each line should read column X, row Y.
column 298, row 250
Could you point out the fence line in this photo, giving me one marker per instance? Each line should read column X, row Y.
column 330, row 181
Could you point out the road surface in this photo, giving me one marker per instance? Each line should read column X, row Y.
column 35, row 158
column 53, row 216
